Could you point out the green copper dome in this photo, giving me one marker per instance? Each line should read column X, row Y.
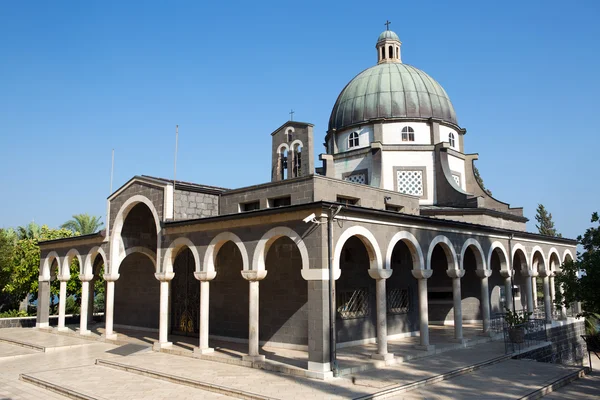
column 388, row 35
column 390, row 91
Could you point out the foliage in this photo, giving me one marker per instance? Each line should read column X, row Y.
column 84, row 224
column 479, row 180
column 30, row 231
column 514, row 318
column 71, row 306
column 7, row 250
column 546, row 225
column 580, row 279
column 592, row 324
column 13, row 314
column 99, row 305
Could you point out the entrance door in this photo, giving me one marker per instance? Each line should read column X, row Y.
column 185, row 296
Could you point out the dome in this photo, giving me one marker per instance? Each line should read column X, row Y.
column 390, row 91
column 388, row 35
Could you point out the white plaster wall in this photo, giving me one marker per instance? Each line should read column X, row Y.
column 392, row 132
column 391, row 159
column 365, row 137
column 444, row 133
column 458, row 165
column 351, row 164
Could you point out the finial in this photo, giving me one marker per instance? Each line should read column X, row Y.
column 291, row 115
column 387, row 25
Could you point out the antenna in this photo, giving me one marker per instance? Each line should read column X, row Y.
column 175, row 168
column 112, row 170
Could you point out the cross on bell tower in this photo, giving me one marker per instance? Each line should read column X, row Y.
column 388, row 46
column 387, row 25
column 292, row 115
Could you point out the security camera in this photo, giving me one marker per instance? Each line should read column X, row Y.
column 311, row 218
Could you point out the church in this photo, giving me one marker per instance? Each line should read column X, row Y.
column 389, row 234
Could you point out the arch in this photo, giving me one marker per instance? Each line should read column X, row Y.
column 265, row 242
column 566, row 253
column 45, row 275
column 90, row 258
column 479, row 255
column 519, row 248
column 448, row 249
column 68, row 258
column 534, row 265
column 288, row 133
column 213, row 249
column 117, row 248
column 553, row 258
column 413, row 245
column 296, row 142
column 174, row 249
column 283, row 147
column 503, row 253
column 367, row 238
column 143, row 250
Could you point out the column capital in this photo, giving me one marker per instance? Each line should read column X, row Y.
column 545, row 273
column 205, row 276
column 64, row 278
column 110, row 277
column 380, row 273
column 254, row 275
column 483, row 273
column 422, row 273
column 455, row 273
column 164, row 276
column 86, row 277
column 506, row 273
column 314, row 274
column 43, row 278
column 529, row 273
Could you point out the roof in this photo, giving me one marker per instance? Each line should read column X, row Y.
column 390, row 91
column 188, row 186
column 389, row 35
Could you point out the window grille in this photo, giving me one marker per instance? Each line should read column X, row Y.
column 398, row 301
column 353, row 140
column 356, row 178
column 410, row 182
column 353, row 303
column 456, row 179
column 408, row 134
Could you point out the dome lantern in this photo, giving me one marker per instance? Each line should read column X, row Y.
column 388, row 46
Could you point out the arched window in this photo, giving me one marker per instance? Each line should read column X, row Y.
column 451, row 139
column 382, row 52
column 353, row 140
column 391, row 52
column 408, row 134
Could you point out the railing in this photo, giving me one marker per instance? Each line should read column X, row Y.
column 525, row 335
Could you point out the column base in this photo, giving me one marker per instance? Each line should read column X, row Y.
column 111, row 336
column 157, row 346
column 319, row 367
column 428, row 347
column 199, row 351
column 42, row 325
column 459, row 341
column 258, row 358
column 86, row 332
column 383, row 357
column 62, row 329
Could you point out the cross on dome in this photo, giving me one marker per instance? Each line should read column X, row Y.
column 387, row 25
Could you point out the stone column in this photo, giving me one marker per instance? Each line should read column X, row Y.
column 456, row 274
column 43, row 305
column 163, row 323
column 528, row 274
column 422, row 275
column 547, row 297
column 62, row 299
column 484, row 274
column 91, row 292
column 534, row 291
column 508, row 290
column 204, row 278
column 253, row 277
column 85, row 295
column 109, row 306
column 563, row 309
column 380, row 275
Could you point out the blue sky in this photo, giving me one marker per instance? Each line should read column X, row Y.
column 78, row 79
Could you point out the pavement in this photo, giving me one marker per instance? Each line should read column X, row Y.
column 70, row 363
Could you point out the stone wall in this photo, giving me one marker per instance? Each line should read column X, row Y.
column 191, row 205
column 566, row 345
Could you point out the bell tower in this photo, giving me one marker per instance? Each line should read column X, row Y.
column 388, row 46
column 292, row 151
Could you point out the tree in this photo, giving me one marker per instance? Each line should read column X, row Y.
column 8, row 239
column 84, row 224
column 479, row 180
column 29, row 231
column 546, row 225
column 580, row 279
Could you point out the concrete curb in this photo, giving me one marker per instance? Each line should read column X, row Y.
column 564, row 381
column 239, row 394
column 23, row 344
column 62, row 390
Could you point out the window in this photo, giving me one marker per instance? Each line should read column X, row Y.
column 353, row 303
column 408, row 134
column 398, row 301
column 410, row 182
column 347, row 201
column 451, row 139
column 280, row 202
column 391, row 52
column 353, row 140
column 356, row 177
column 253, row 205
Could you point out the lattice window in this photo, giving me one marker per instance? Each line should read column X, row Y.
column 456, row 179
column 410, row 182
column 398, row 301
column 353, row 303
column 357, row 178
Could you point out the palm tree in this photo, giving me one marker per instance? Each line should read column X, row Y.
column 84, row 224
column 30, row 231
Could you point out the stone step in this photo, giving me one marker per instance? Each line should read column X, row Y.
column 20, row 343
column 211, row 387
column 559, row 383
column 95, row 382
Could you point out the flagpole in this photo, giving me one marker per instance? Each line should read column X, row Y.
column 175, row 167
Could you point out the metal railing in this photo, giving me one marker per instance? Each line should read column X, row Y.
column 522, row 336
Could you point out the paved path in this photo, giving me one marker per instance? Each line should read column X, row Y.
column 586, row 388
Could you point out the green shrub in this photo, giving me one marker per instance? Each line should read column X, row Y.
column 13, row 314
